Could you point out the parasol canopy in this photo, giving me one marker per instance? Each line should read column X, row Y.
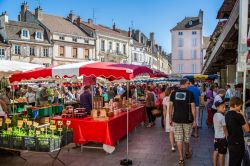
column 112, row 71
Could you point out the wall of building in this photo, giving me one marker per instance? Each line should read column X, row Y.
column 187, row 61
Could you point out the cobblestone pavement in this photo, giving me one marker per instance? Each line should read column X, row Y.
column 147, row 147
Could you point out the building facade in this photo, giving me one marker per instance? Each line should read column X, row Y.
column 111, row 45
column 187, row 45
column 23, row 41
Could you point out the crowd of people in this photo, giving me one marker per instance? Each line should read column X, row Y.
column 178, row 105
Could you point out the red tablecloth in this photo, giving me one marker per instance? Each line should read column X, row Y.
column 108, row 132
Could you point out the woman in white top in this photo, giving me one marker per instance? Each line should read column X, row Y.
column 168, row 126
column 31, row 97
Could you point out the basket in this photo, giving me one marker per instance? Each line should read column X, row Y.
column 5, row 141
column 17, row 142
column 29, row 143
column 48, row 144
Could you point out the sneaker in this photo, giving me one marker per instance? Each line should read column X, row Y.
column 181, row 163
column 173, row 149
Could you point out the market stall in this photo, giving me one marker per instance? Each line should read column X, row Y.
column 111, row 122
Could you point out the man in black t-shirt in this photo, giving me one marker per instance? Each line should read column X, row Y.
column 236, row 124
column 182, row 102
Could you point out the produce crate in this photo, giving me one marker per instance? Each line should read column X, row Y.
column 43, row 112
column 35, row 114
column 29, row 143
column 5, row 140
column 50, row 111
column 48, row 144
column 17, row 142
column 67, row 138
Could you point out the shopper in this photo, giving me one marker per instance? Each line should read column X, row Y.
column 31, row 96
column 196, row 92
column 183, row 111
column 150, row 104
column 229, row 93
column 166, row 114
column 86, row 99
column 220, row 134
column 236, row 124
column 219, row 97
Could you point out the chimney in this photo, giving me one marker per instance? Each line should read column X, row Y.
column 152, row 39
column 200, row 16
column 24, row 8
column 90, row 21
column 38, row 13
column 72, row 16
column 4, row 17
column 160, row 49
column 114, row 26
column 129, row 32
column 78, row 20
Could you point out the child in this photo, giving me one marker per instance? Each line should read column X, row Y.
column 220, row 133
column 236, row 124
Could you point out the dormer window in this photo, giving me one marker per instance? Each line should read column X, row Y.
column 74, row 39
column 61, row 37
column 39, row 36
column 25, row 33
column 190, row 23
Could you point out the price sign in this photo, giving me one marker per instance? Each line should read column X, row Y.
column 8, row 121
column 9, row 130
column 60, row 123
column 60, row 129
column 19, row 123
column 42, row 129
column 29, row 123
column 38, row 132
column 46, row 121
column 52, row 122
column 25, row 120
column 52, row 127
column 35, row 124
column 68, row 122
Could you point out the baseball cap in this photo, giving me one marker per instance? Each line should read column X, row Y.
column 218, row 103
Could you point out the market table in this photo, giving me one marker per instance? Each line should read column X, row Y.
column 107, row 132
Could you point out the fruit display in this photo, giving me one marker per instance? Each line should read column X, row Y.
column 20, row 100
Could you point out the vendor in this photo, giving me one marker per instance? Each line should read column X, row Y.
column 3, row 108
column 86, row 99
column 31, row 96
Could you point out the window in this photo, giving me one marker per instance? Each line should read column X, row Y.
column 110, row 45
column 103, row 45
column 190, row 23
column 180, row 33
column 193, row 68
column 194, row 32
column 180, row 68
column 124, row 49
column 39, row 35
column 194, row 54
column 162, row 65
column 117, row 47
column 74, row 39
column 135, row 57
column 141, row 59
column 74, row 52
column 32, row 51
column 61, row 50
column 142, row 41
column 2, row 52
column 18, row 50
column 25, row 33
column 46, row 64
column 180, row 54
column 194, row 42
column 180, row 42
column 86, row 53
column 86, row 41
column 150, row 59
column 61, row 37
column 46, row 52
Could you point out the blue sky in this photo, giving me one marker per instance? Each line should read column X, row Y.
column 157, row 16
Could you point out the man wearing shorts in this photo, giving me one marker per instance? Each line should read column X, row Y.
column 183, row 117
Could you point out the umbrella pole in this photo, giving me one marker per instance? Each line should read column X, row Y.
column 13, row 99
column 126, row 161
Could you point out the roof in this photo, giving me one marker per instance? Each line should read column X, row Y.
column 102, row 28
column 61, row 25
column 206, row 41
column 13, row 30
column 184, row 24
column 225, row 9
column 136, row 43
